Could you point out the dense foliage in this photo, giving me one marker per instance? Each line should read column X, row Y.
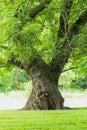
column 13, row 80
column 23, row 38
column 79, row 82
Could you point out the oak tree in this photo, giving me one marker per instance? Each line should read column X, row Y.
column 40, row 36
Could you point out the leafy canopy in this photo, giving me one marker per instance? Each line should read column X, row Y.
column 25, row 38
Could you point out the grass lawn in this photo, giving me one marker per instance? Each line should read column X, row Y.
column 75, row 119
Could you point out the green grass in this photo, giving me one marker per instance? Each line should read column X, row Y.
column 75, row 119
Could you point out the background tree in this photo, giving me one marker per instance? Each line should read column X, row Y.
column 39, row 37
column 13, row 80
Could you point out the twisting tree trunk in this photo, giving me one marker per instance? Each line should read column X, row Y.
column 44, row 95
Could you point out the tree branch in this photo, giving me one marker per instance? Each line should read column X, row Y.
column 64, row 16
column 63, row 52
column 62, row 47
column 39, row 8
column 69, row 69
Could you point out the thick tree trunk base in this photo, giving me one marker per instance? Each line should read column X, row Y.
column 42, row 100
column 44, row 95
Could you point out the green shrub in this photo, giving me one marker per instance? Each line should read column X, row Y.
column 79, row 83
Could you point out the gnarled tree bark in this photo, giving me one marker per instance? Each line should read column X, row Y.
column 44, row 95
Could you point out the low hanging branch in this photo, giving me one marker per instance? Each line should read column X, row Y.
column 69, row 69
column 35, row 11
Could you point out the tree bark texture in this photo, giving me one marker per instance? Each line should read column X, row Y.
column 44, row 95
